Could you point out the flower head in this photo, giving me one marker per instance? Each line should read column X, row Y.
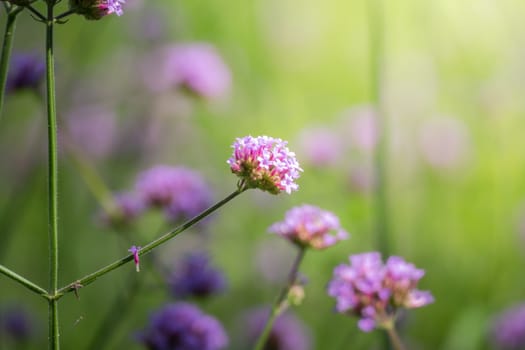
column 310, row 226
column 266, row 163
column 196, row 277
column 182, row 192
column 25, row 72
column 374, row 291
column 96, row 9
column 508, row 329
column 288, row 332
column 183, row 326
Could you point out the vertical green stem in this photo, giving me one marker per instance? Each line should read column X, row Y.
column 376, row 23
column 52, row 180
column 277, row 307
column 12, row 13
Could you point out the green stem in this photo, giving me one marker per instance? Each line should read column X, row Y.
column 376, row 27
column 10, row 25
column 23, row 281
column 278, row 306
column 394, row 339
column 146, row 249
column 52, row 181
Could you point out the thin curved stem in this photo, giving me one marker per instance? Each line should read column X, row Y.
column 278, row 307
column 52, row 181
column 74, row 286
column 24, row 281
column 9, row 32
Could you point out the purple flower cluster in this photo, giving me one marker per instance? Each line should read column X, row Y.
column 508, row 329
column 183, row 326
column 310, row 226
column 182, row 192
column 266, row 163
column 374, row 291
column 25, row 72
column 196, row 277
column 288, row 332
column 96, row 9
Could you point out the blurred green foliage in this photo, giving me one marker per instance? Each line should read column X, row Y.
column 295, row 64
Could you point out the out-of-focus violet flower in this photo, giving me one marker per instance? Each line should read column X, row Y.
column 266, row 163
column 196, row 277
column 182, row 192
column 310, row 226
column 375, row 291
column 508, row 329
column 444, row 143
column 196, row 67
column 16, row 323
column 127, row 208
column 96, row 9
column 183, row 326
column 288, row 332
column 92, row 129
column 320, row 146
column 26, row 71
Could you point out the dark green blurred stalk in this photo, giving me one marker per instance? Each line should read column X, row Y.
column 279, row 305
column 54, row 342
column 376, row 18
column 376, row 35
column 394, row 338
column 10, row 25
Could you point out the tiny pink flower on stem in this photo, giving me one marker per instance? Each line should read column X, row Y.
column 266, row 163
column 135, row 251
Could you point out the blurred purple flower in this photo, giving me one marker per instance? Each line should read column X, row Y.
column 320, row 146
column 288, row 332
column 444, row 143
column 25, row 72
column 195, row 276
column 128, row 208
column 508, row 329
column 374, row 291
column 310, row 226
column 361, row 123
column 16, row 323
column 266, row 163
column 196, row 67
column 92, row 129
column 183, row 326
column 181, row 191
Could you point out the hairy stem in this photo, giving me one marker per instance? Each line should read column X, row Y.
column 74, row 286
column 52, row 181
column 10, row 25
column 277, row 307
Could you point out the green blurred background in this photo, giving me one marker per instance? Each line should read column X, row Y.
column 296, row 65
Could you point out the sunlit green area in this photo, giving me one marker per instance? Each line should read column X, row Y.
column 453, row 102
